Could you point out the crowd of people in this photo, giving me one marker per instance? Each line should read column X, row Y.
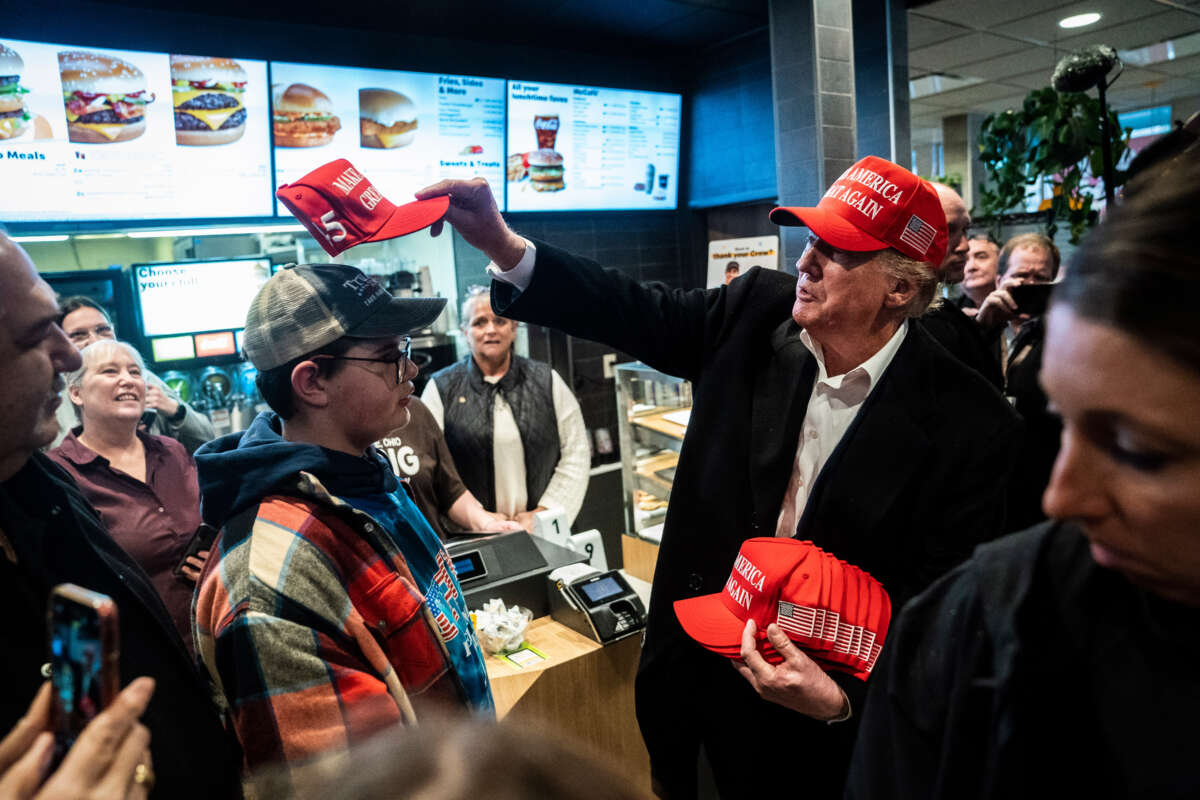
column 851, row 406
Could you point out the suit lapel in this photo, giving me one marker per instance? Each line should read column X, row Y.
column 876, row 457
column 780, row 399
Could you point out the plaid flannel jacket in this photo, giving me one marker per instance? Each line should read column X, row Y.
column 309, row 621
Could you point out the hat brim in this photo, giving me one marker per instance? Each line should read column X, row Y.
column 709, row 622
column 400, row 315
column 829, row 227
column 412, row 217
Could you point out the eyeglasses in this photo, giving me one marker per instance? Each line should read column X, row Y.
column 401, row 361
column 102, row 331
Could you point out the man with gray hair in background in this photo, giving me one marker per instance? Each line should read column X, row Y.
column 819, row 413
column 945, row 321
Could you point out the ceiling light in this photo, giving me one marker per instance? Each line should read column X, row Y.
column 1080, row 20
column 293, row 227
column 34, row 239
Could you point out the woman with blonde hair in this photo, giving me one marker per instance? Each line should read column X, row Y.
column 144, row 486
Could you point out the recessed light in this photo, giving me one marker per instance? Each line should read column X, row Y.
column 1080, row 20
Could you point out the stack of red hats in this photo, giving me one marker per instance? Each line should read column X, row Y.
column 834, row 611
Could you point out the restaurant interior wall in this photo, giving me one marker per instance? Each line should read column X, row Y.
column 647, row 245
column 732, row 124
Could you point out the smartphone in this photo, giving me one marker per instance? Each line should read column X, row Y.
column 201, row 540
column 84, row 660
column 1031, row 298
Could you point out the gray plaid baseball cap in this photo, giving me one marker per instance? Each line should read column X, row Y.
column 304, row 307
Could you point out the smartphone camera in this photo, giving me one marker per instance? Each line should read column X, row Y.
column 83, row 660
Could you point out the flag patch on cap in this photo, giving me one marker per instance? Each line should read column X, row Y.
column 918, row 234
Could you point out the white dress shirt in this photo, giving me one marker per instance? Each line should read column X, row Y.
column 832, row 407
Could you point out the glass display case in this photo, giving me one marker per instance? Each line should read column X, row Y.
column 652, row 416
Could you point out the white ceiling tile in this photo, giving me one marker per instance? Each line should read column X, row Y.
column 1183, row 67
column 923, row 31
column 1044, row 27
column 964, row 49
column 984, row 15
column 998, row 69
column 1149, row 29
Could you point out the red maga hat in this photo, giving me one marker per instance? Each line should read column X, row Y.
column 834, row 611
column 874, row 205
column 341, row 208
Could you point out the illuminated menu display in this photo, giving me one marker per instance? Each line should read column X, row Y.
column 403, row 130
column 582, row 147
column 98, row 136
column 198, row 296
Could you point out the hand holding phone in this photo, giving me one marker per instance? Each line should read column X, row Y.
column 104, row 763
column 84, row 658
column 1031, row 298
column 197, row 551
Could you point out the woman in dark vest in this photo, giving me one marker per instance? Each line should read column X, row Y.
column 514, row 428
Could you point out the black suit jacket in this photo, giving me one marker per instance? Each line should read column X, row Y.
column 916, row 482
column 965, row 339
column 57, row 537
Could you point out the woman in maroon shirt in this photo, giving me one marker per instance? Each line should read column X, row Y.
column 144, row 486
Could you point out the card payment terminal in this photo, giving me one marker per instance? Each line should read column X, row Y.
column 600, row 605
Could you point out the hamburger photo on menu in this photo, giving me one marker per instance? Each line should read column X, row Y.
column 105, row 97
column 208, row 94
column 546, row 170
column 302, row 116
column 386, row 118
column 14, row 116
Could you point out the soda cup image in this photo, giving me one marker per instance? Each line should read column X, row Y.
column 546, row 128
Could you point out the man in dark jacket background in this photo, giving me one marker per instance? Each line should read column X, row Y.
column 819, row 412
column 49, row 535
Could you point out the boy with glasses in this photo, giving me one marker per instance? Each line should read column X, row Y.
column 328, row 609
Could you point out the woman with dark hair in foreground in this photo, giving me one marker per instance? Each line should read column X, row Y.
column 1062, row 661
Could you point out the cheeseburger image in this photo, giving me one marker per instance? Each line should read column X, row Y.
column 546, row 170
column 105, row 97
column 14, row 117
column 386, row 118
column 207, row 94
column 302, row 116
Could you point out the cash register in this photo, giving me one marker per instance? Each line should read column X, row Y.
column 511, row 566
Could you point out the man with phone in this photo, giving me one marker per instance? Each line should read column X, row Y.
column 329, row 609
column 49, row 534
column 1013, row 315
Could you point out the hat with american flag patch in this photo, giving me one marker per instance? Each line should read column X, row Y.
column 875, row 205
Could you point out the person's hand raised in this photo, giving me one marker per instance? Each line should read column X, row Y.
column 474, row 214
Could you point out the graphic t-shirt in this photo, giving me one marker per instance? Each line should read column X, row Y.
column 433, row 571
column 418, row 453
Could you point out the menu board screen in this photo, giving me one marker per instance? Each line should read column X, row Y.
column 402, row 130
column 584, row 148
column 96, row 133
column 198, row 296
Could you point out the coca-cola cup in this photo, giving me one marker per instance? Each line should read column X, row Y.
column 546, row 127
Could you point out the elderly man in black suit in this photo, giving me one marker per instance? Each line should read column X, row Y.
column 819, row 412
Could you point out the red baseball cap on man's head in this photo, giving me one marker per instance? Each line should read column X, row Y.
column 875, row 205
column 341, row 208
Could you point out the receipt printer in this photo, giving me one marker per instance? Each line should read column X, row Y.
column 600, row 605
